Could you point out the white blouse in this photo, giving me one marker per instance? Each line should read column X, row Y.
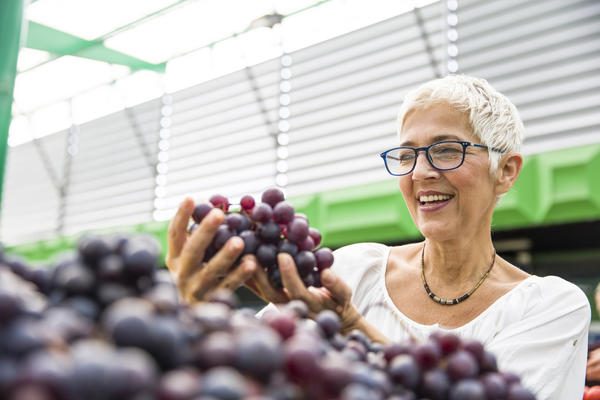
column 539, row 329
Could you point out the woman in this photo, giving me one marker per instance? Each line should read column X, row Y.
column 458, row 154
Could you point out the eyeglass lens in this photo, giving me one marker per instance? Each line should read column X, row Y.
column 443, row 156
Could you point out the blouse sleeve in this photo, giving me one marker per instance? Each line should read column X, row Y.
column 547, row 344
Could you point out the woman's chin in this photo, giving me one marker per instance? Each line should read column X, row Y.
column 438, row 231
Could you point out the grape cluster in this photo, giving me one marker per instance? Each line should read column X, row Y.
column 62, row 338
column 269, row 228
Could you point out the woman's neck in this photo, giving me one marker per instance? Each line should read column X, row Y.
column 456, row 264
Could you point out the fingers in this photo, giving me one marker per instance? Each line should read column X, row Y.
column 240, row 275
column 264, row 288
column 291, row 281
column 194, row 248
column 218, row 266
column 177, row 228
column 340, row 292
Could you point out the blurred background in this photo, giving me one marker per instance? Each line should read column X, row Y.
column 112, row 111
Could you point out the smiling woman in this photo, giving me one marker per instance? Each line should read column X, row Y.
column 458, row 154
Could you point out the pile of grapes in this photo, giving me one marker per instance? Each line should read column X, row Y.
column 105, row 324
column 267, row 229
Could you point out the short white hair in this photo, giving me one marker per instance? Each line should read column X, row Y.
column 492, row 116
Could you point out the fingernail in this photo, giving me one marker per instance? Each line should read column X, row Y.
column 235, row 243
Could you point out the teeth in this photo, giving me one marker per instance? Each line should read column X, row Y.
column 434, row 197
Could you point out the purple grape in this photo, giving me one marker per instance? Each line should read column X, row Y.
column 283, row 213
column 267, row 255
column 218, row 349
column 324, row 258
column 336, row 377
column 111, row 268
column 235, row 221
column 272, row 196
column 305, row 262
column 11, row 307
column 510, row 377
column 448, row 342
column 307, row 244
column 262, row 213
column 329, row 322
column 462, row 365
column 468, row 389
column 224, row 383
column 404, row 370
column 518, row 392
column 301, row 363
column 392, row 350
column 274, row 275
column 297, row 230
column 315, row 235
column 494, row 385
column 269, row 232
column 251, row 242
column 282, row 323
column 259, row 355
column 312, row 279
column 288, row 247
column 219, row 201
column 474, row 347
column 247, row 203
column 92, row 249
column 223, row 234
column 298, row 308
column 200, row 211
column 488, row 362
column 301, row 215
column 428, row 355
column 435, row 385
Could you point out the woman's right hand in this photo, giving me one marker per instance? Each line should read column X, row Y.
column 196, row 279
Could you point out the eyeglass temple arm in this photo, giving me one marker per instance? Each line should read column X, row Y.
column 483, row 146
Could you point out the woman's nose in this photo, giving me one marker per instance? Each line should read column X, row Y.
column 423, row 168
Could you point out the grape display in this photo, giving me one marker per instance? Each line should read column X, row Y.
column 268, row 228
column 106, row 323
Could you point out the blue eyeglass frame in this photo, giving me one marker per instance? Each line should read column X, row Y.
column 417, row 150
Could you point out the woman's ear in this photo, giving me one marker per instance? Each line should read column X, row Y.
column 509, row 168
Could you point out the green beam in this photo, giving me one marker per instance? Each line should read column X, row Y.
column 11, row 23
column 41, row 37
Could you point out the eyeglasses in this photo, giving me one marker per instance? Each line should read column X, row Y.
column 443, row 156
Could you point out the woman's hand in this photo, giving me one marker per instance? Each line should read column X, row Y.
column 194, row 278
column 334, row 295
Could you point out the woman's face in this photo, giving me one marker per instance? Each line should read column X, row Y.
column 464, row 198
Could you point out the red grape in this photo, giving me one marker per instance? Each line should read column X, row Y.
column 247, row 203
column 262, row 213
column 315, row 235
column 283, row 213
column 220, row 201
column 297, row 230
column 324, row 258
column 272, row 196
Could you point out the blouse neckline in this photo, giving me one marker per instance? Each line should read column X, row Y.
column 396, row 310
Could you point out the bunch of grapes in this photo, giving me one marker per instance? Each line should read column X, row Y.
column 62, row 338
column 269, row 228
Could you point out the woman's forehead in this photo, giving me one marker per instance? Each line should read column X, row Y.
column 434, row 123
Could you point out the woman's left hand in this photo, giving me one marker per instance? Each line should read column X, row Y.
column 333, row 295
